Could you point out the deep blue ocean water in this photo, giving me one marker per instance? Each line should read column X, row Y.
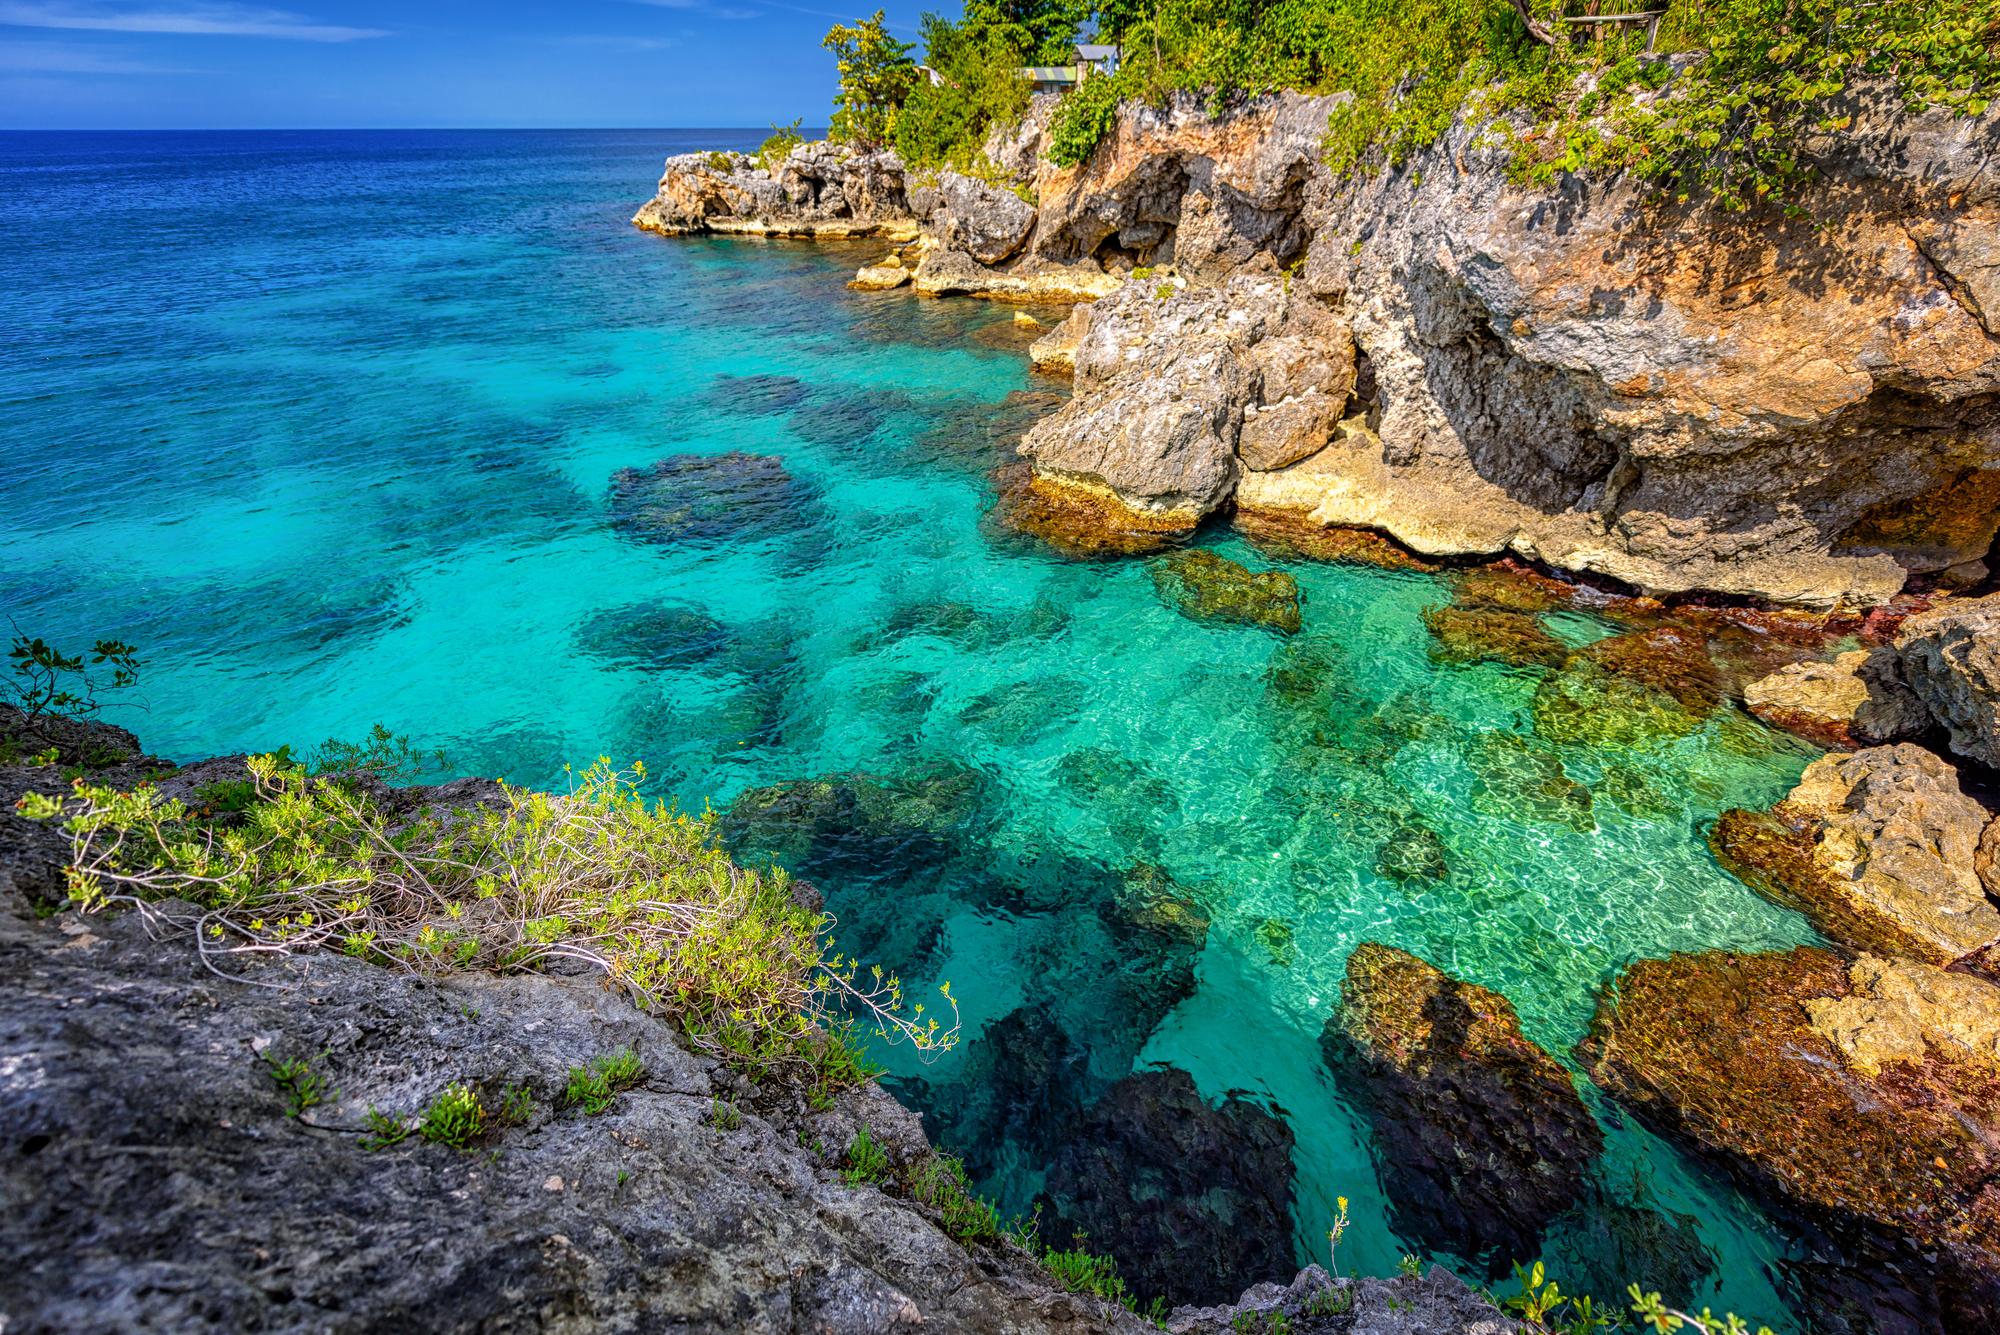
column 327, row 423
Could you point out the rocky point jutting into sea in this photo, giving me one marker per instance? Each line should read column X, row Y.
column 1795, row 408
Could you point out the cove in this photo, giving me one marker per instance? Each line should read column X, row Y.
column 328, row 425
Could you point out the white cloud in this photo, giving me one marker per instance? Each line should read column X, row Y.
column 209, row 20
column 71, row 58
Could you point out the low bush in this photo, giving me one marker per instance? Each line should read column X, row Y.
column 456, row 1117
column 596, row 877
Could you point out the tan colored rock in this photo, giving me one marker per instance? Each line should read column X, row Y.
column 1987, row 860
column 1878, row 847
column 1054, row 353
column 1840, row 704
column 821, row 191
column 879, row 277
column 1898, row 1010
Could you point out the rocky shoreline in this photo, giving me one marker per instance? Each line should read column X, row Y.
column 1673, row 397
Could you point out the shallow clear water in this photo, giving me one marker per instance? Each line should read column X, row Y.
column 326, row 424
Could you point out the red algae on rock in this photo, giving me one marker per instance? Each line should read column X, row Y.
column 1080, row 521
column 1719, row 1050
column 1290, row 536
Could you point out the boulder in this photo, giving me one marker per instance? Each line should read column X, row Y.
column 1840, row 704
column 1731, row 1054
column 1481, row 1139
column 1077, row 518
column 1054, row 353
column 1191, row 1198
column 1950, row 657
column 989, row 222
column 1292, row 537
column 1167, row 377
column 1475, row 635
column 1879, row 848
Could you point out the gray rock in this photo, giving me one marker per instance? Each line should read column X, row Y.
column 1437, row 1303
column 819, row 189
column 1950, row 657
column 986, row 221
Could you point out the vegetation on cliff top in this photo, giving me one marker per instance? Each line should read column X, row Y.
column 1726, row 103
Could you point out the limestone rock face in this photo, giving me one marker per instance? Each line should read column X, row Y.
column 1482, row 1138
column 1840, row 704
column 1168, row 381
column 1673, row 396
column 1854, row 1093
column 1950, row 657
column 819, row 190
column 1879, row 848
column 1898, row 1008
column 986, row 221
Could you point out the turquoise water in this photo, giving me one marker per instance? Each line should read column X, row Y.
column 327, row 425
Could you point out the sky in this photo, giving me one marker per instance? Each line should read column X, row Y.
column 221, row 64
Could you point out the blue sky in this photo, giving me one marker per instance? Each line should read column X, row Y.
column 103, row 64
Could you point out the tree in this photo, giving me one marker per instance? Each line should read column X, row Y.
column 876, row 74
column 1041, row 30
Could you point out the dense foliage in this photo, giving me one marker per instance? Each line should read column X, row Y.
column 1754, row 80
column 876, row 75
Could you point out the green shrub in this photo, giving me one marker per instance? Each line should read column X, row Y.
column 940, row 1182
column 47, row 683
column 774, row 150
column 596, row 876
column 1768, row 74
column 226, row 795
column 1078, row 1271
column 383, row 1131
column 455, row 1117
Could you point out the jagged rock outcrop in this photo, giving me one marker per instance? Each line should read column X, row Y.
column 1670, row 395
column 1950, row 658
column 1481, row 1138
column 1847, row 1094
column 1880, row 848
column 818, row 190
column 1172, row 383
column 986, row 221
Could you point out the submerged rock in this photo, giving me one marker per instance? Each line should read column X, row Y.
column 1413, row 853
column 1481, row 1139
column 761, row 394
column 1879, row 848
column 1517, row 639
column 1725, row 1052
column 1193, row 1200
column 1207, row 587
column 1153, row 901
column 1078, row 520
column 711, row 498
column 1522, row 780
column 1280, row 945
column 654, row 638
column 1632, row 690
column 1287, row 536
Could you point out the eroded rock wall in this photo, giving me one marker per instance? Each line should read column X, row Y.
column 1800, row 409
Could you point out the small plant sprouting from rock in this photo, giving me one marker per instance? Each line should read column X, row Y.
column 595, row 1086
column 867, row 1162
column 725, row 1116
column 1335, row 1234
column 303, row 1088
column 456, row 1117
column 384, row 1130
column 1079, row 1271
column 517, row 1106
column 940, row 1182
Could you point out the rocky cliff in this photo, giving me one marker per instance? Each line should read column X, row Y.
column 1795, row 406
column 159, row 1170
